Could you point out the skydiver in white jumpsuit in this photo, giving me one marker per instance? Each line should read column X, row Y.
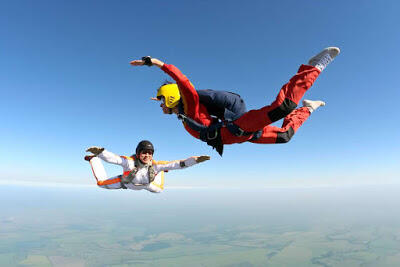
column 140, row 171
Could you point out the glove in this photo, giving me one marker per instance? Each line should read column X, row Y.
column 202, row 158
column 95, row 150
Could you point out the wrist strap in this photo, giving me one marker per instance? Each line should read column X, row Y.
column 147, row 61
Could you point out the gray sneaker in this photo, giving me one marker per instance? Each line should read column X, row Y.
column 322, row 59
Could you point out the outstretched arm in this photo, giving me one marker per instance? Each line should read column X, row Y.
column 179, row 164
column 107, row 156
column 148, row 62
column 188, row 92
column 171, row 70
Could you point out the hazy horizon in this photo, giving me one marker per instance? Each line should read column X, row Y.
column 48, row 225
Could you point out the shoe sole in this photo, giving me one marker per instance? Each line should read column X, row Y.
column 333, row 52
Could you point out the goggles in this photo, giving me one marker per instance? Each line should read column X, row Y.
column 150, row 152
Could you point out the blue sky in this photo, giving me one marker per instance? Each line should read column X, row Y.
column 66, row 84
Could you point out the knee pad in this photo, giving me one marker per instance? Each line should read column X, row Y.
column 282, row 111
column 285, row 137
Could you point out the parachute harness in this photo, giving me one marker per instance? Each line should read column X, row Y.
column 211, row 134
column 127, row 179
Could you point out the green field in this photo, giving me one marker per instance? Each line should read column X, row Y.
column 234, row 246
column 75, row 228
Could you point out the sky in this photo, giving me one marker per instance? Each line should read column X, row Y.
column 66, row 84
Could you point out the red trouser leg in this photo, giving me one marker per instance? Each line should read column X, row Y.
column 288, row 98
column 292, row 122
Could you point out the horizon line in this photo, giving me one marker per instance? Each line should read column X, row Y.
column 190, row 187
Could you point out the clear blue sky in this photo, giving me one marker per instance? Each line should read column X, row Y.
column 66, row 84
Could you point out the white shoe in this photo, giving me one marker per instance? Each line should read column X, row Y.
column 313, row 105
column 322, row 59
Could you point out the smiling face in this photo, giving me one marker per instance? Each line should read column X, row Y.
column 146, row 156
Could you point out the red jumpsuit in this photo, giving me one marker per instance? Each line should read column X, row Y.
column 254, row 120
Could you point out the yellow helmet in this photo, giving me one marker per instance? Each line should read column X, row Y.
column 170, row 92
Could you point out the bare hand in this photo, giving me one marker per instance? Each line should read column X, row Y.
column 200, row 159
column 137, row 62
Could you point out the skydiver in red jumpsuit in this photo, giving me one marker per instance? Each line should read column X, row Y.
column 219, row 117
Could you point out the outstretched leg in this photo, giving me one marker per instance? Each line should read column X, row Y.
column 291, row 123
column 290, row 94
column 101, row 176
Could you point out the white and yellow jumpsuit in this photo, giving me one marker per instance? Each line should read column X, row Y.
column 141, row 179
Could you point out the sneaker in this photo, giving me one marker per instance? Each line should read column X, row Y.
column 313, row 105
column 322, row 59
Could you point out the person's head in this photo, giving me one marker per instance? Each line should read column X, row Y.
column 145, row 151
column 169, row 96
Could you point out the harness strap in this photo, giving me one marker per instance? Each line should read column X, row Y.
column 128, row 176
column 211, row 132
column 121, row 182
column 194, row 125
column 236, row 130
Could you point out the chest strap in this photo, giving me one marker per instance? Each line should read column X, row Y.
column 128, row 176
